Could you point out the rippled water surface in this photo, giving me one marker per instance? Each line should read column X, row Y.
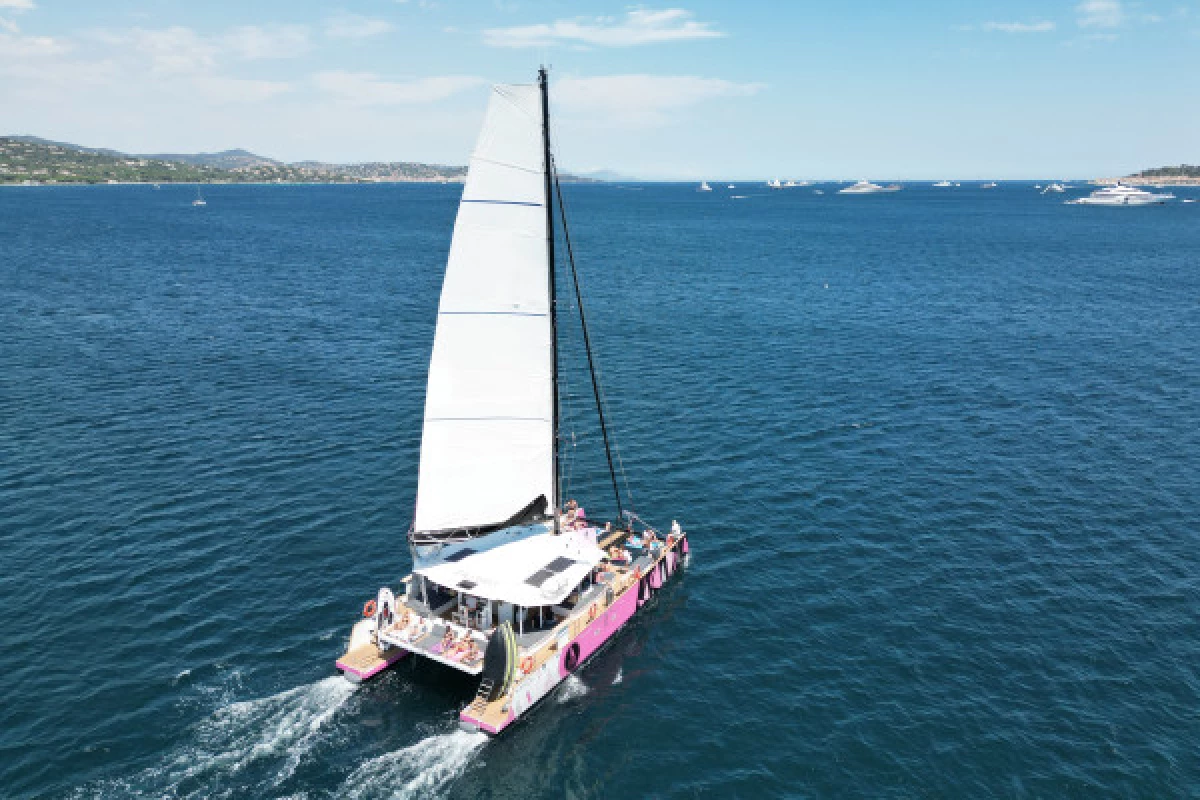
column 938, row 452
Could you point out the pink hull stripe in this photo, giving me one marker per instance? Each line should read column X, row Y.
column 391, row 657
column 483, row 726
column 602, row 628
column 599, row 631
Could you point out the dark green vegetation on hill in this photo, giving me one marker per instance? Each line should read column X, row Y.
column 28, row 159
column 1182, row 171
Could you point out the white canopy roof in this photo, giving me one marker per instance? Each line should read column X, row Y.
column 526, row 566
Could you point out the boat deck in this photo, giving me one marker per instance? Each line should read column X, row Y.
column 429, row 643
column 368, row 660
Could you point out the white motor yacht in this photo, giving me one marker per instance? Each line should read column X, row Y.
column 1053, row 187
column 774, row 184
column 1121, row 195
column 704, row 187
column 866, row 187
column 942, row 185
column 988, row 185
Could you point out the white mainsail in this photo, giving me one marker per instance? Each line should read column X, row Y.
column 487, row 447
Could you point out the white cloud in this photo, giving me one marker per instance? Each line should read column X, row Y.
column 18, row 5
column 9, row 25
column 1100, row 14
column 173, row 50
column 252, row 42
column 234, row 91
column 15, row 46
column 640, row 26
column 1043, row 26
column 368, row 89
column 355, row 26
column 642, row 100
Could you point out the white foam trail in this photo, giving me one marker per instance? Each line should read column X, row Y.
column 425, row 768
column 572, row 687
column 285, row 725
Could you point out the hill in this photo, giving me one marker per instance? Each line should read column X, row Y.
column 1184, row 174
column 31, row 159
column 226, row 159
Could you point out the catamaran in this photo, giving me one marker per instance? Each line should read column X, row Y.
column 509, row 583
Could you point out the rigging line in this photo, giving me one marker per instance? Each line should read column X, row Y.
column 587, row 343
column 599, row 385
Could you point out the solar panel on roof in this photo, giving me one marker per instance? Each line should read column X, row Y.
column 549, row 571
column 539, row 577
column 559, row 564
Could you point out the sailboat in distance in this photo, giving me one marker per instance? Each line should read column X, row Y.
column 509, row 582
column 199, row 201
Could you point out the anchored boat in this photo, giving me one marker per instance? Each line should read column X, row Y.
column 509, row 582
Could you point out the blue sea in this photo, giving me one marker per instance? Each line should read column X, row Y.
column 938, row 452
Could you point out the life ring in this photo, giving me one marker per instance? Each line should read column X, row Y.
column 527, row 664
column 370, row 608
column 591, row 613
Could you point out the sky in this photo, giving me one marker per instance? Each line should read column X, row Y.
column 717, row 90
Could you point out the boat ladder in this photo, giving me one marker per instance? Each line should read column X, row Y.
column 481, row 697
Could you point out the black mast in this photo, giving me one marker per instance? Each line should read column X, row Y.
column 587, row 345
column 552, row 289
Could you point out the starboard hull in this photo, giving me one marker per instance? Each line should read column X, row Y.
column 574, row 654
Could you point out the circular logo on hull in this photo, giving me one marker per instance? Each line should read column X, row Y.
column 571, row 658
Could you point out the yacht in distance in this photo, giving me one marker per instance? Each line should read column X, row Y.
column 704, row 187
column 866, row 187
column 1053, row 187
column 199, row 201
column 942, row 185
column 1121, row 195
column 988, row 185
column 774, row 184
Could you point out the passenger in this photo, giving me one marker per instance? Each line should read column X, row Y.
column 473, row 651
column 448, row 639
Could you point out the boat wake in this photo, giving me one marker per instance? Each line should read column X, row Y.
column 422, row 769
column 268, row 737
column 572, row 688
